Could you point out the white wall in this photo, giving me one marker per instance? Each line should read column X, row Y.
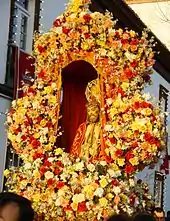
column 4, row 106
column 155, row 16
column 4, row 18
column 51, row 10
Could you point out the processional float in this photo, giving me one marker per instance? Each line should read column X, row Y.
column 81, row 153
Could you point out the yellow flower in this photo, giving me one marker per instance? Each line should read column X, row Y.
column 43, row 123
column 52, row 139
column 47, row 90
column 78, row 198
column 36, row 197
column 134, row 161
column 113, row 111
column 103, row 202
column 89, row 191
column 37, row 135
column 110, row 196
column 6, row 173
column 146, row 111
column 114, row 167
column 52, row 100
column 36, row 174
column 58, row 151
column 125, row 86
column 103, row 182
column 74, row 206
column 121, row 162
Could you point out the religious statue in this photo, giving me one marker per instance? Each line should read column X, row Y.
column 87, row 140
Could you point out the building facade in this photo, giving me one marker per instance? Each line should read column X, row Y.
column 19, row 20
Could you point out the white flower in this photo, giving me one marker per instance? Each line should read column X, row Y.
column 78, row 198
column 50, row 159
column 109, row 101
column 91, row 167
column 146, row 96
column 27, row 165
column 54, row 85
column 99, row 192
column 59, row 30
column 131, row 182
column 49, row 175
column 130, row 56
column 116, row 190
column 79, row 166
column 111, row 172
column 103, row 163
column 108, row 127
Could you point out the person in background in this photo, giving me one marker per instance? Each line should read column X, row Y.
column 159, row 214
column 15, row 208
column 143, row 217
column 119, row 218
column 168, row 216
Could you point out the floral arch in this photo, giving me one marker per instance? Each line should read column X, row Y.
column 60, row 186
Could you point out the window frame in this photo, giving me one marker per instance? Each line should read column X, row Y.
column 163, row 96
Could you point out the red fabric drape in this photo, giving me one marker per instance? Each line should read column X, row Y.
column 75, row 78
column 73, row 111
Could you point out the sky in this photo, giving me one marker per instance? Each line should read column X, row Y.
column 51, row 9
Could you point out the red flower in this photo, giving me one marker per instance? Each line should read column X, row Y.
column 41, row 49
column 58, row 163
column 60, row 185
column 57, row 171
column 22, row 178
column 38, row 155
column 49, row 124
column 23, row 137
column 129, row 74
column 65, row 30
column 57, row 23
column 41, row 75
column 129, row 155
column 120, row 91
column 129, row 169
column 68, row 208
column 115, row 182
column 82, row 207
column 50, row 182
column 132, row 200
column 108, row 159
column 39, row 119
column 31, row 91
column 134, row 42
column 86, row 35
column 43, row 170
column 137, row 105
column 134, row 145
column 17, row 130
column 119, row 153
column 47, row 163
column 134, row 64
column 113, row 140
column 87, row 17
column 35, row 143
column 124, row 41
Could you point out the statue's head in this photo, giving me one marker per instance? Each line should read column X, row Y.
column 93, row 92
column 93, row 111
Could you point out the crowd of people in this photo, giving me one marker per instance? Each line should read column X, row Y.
column 17, row 208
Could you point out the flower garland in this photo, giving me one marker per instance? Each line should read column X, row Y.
column 64, row 188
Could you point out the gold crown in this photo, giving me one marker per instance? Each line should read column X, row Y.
column 93, row 92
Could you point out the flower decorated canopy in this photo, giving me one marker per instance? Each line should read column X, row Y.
column 64, row 188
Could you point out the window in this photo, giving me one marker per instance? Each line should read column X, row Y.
column 20, row 23
column 163, row 98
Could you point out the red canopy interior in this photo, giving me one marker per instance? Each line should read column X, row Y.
column 75, row 78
